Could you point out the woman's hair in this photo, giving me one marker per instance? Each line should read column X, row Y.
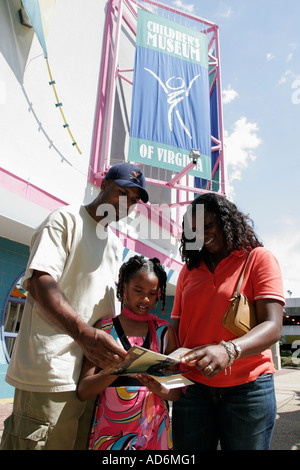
column 136, row 264
column 237, row 228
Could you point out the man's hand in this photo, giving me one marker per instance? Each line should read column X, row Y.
column 100, row 348
column 97, row 345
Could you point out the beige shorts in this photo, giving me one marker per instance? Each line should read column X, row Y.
column 39, row 421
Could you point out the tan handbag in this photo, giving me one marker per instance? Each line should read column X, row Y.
column 241, row 316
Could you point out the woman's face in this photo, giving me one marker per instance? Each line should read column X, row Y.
column 141, row 292
column 213, row 240
column 213, row 234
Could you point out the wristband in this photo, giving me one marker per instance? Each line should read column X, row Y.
column 237, row 348
column 230, row 355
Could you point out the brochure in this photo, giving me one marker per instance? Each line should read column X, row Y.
column 143, row 361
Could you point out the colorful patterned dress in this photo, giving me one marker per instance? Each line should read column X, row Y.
column 128, row 416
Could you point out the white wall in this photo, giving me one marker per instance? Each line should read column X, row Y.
column 34, row 144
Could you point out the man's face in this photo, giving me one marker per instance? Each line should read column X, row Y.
column 121, row 200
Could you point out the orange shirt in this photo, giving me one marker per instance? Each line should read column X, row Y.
column 202, row 299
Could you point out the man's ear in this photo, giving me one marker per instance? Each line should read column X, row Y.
column 103, row 184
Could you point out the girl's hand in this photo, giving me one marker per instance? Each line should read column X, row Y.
column 155, row 387
column 150, row 383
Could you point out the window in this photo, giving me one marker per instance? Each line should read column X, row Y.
column 12, row 315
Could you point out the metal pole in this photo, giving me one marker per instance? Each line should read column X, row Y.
column 220, row 112
column 112, row 92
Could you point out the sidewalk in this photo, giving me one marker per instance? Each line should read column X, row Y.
column 287, row 430
column 5, row 410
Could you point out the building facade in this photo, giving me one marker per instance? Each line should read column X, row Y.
column 65, row 118
column 291, row 325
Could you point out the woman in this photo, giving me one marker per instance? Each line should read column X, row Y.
column 233, row 399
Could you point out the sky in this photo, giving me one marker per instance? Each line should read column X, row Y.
column 260, row 69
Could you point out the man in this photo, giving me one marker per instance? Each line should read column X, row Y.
column 71, row 273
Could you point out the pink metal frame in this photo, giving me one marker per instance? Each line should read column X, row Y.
column 28, row 191
column 125, row 10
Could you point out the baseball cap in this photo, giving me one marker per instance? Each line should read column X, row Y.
column 128, row 175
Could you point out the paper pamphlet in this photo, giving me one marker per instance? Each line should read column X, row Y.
column 143, row 361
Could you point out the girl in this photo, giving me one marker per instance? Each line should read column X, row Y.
column 132, row 413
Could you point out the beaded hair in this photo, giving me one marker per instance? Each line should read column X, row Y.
column 136, row 264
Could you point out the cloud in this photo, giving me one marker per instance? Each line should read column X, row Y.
column 296, row 93
column 239, row 149
column 229, row 95
column 293, row 46
column 289, row 57
column 181, row 5
column 284, row 243
column 225, row 12
column 285, row 76
column 270, row 56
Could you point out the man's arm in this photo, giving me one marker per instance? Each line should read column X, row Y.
column 99, row 347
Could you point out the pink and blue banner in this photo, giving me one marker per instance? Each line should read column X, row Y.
column 170, row 104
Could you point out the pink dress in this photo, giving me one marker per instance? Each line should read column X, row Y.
column 129, row 416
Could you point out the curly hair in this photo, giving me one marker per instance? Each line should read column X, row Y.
column 136, row 264
column 237, row 227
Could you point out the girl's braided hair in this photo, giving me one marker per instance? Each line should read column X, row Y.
column 136, row 264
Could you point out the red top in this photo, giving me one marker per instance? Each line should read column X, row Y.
column 202, row 299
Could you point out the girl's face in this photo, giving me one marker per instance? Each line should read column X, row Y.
column 141, row 292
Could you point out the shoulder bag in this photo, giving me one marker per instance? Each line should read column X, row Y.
column 241, row 316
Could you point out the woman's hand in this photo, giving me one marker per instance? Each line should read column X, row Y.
column 210, row 360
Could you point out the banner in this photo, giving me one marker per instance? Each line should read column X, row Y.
column 40, row 13
column 170, row 104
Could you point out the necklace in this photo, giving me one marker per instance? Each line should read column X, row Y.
column 152, row 319
column 213, row 264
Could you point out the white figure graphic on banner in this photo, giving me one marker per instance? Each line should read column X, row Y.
column 175, row 95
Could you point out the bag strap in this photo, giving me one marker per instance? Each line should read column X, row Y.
column 123, row 338
column 237, row 291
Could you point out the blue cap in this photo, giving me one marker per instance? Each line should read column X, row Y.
column 128, row 175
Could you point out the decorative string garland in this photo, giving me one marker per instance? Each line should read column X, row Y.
column 59, row 105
